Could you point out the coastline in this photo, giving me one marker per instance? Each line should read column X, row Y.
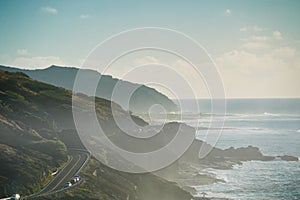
column 190, row 171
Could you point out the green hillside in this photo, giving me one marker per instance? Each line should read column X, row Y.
column 36, row 127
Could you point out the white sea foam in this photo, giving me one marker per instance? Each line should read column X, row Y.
column 219, row 174
column 275, row 130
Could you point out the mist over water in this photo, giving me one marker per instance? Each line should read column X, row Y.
column 273, row 125
column 247, row 106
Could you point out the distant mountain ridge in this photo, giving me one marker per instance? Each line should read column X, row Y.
column 141, row 100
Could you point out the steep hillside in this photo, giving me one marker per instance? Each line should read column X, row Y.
column 29, row 150
column 142, row 99
column 36, row 127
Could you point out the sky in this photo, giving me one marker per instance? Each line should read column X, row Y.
column 255, row 43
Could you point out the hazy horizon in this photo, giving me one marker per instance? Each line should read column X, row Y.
column 257, row 53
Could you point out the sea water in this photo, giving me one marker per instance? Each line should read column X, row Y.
column 273, row 125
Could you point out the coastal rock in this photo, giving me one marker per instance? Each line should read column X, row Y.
column 289, row 158
column 190, row 169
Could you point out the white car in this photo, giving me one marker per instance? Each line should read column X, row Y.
column 15, row 197
column 76, row 178
column 68, row 184
column 54, row 172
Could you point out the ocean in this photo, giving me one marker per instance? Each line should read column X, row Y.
column 273, row 125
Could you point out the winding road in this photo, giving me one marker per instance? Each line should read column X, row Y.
column 78, row 159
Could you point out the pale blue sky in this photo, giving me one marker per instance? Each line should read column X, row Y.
column 263, row 33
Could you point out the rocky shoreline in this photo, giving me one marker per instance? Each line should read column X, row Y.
column 189, row 170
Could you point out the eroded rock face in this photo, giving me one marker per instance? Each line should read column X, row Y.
column 289, row 158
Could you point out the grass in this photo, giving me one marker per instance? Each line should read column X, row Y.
column 34, row 143
column 53, row 148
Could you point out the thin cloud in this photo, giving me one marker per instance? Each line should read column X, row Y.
column 146, row 60
column 257, row 38
column 37, row 62
column 228, row 12
column 252, row 29
column 83, row 16
column 22, row 52
column 255, row 45
column 274, row 36
column 277, row 35
column 275, row 68
column 50, row 10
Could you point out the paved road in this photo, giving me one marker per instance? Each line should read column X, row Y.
column 78, row 160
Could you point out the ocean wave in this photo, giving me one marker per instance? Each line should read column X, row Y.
column 231, row 116
column 264, row 114
column 272, row 114
column 294, row 130
column 249, row 129
column 208, row 117
column 233, row 128
column 217, row 173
